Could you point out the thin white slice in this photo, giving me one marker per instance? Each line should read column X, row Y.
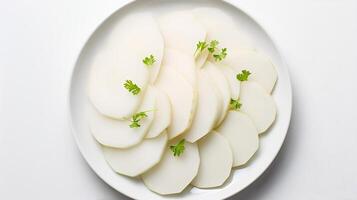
column 234, row 84
column 117, row 133
column 162, row 116
column 216, row 160
column 222, row 27
column 106, row 89
column 182, row 97
column 139, row 35
column 137, row 159
column 201, row 58
column 182, row 31
column 173, row 174
column 261, row 67
column 208, row 108
column 258, row 105
column 220, row 80
column 242, row 136
column 182, row 63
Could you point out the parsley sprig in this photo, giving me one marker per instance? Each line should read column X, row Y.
column 213, row 46
column 221, row 55
column 244, row 75
column 200, row 46
column 132, row 87
column 235, row 104
column 137, row 117
column 149, row 60
column 179, row 148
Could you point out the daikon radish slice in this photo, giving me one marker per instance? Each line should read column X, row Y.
column 118, row 133
column 216, row 161
column 137, row 159
column 173, row 173
column 242, row 136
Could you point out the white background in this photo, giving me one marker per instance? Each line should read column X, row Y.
column 40, row 39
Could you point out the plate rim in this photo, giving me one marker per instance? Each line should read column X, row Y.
column 124, row 3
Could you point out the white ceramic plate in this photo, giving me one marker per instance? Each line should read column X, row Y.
column 270, row 143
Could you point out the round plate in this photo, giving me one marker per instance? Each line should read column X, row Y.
column 270, row 143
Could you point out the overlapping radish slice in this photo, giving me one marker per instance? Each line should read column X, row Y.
column 117, row 133
column 162, row 116
column 258, row 105
column 209, row 105
column 216, row 160
column 139, row 35
column 182, row 63
column 242, row 136
column 137, row 159
column 182, row 31
column 220, row 80
column 221, row 27
column 182, row 97
column 261, row 67
column 173, row 173
column 106, row 84
column 234, row 85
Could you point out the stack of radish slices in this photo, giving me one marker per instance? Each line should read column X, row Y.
column 180, row 98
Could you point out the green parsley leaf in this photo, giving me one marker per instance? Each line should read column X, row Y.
column 135, row 119
column 179, row 148
column 213, row 46
column 150, row 60
column 221, row 55
column 235, row 104
column 244, row 75
column 200, row 46
column 132, row 87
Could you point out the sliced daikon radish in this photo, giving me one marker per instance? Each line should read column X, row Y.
column 182, row 98
column 182, row 31
column 220, row 80
column 258, row 105
column 209, row 106
column 242, row 136
column 201, row 58
column 137, row 159
column 260, row 66
column 106, row 84
column 234, row 84
column 216, row 161
column 118, row 133
column 162, row 116
column 138, row 35
column 173, row 173
column 222, row 27
column 182, row 63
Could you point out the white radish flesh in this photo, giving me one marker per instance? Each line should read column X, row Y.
column 208, row 111
column 221, row 27
column 182, row 98
column 118, row 133
column 260, row 66
column 234, row 84
column 137, row 159
column 173, row 173
column 220, row 80
column 242, row 136
column 139, row 35
column 182, row 31
column 182, row 63
column 216, row 161
column 162, row 116
column 106, row 84
column 258, row 105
